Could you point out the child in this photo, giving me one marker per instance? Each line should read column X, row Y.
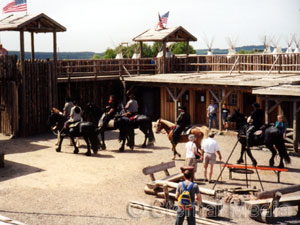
column 281, row 125
column 191, row 152
column 225, row 113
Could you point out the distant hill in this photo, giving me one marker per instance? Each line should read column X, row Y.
column 60, row 55
column 89, row 55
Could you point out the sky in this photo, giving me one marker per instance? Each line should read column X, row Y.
column 95, row 25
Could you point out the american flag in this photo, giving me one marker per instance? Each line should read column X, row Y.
column 15, row 6
column 162, row 20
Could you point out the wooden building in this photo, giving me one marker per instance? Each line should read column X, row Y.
column 196, row 80
column 31, row 84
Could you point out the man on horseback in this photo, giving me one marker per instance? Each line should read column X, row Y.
column 183, row 120
column 110, row 112
column 255, row 121
column 131, row 107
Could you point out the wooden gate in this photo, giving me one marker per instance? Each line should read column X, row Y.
column 9, row 119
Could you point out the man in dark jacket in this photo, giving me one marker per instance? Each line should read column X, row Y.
column 256, row 120
column 183, row 120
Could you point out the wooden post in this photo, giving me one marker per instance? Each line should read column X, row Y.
column 266, row 110
column 141, row 49
column 164, row 61
column 187, row 48
column 32, row 46
column 295, row 136
column 22, row 59
column 55, row 100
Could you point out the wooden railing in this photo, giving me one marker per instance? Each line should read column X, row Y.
column 109, row 67
column 67, row 69
column 249, row 62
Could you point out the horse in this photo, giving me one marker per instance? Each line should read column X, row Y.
column 270, row 137
column 124, row 124
column 81, row 129
column 199, row 132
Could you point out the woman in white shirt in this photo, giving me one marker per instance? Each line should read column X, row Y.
column 191, row 153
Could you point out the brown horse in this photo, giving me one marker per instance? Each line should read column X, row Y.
column 199, row 132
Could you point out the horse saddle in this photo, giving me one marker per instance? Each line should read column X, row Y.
column 133, row 117
column 75, row 124
column 187, row 130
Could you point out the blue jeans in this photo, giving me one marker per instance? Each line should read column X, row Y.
column 189, row 214
column 211, row 118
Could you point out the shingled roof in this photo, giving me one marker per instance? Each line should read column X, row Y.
column 175, row 34
column 32, row 23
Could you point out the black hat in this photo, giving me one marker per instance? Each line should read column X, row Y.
column 182, row 107
column 256, row 105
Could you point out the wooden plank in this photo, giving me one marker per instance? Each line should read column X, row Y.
column 290, row 200
column 258, row 167
column 286, row 190
column 158, row 168
column 157, row 183
column 200, row 220
column 175, row 185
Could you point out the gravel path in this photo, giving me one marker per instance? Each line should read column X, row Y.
column 39, row 186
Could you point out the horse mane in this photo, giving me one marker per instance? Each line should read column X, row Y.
column 55, row 110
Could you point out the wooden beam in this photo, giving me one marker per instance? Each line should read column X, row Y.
column 24, row 100
column 266, row 110
column 187, row 48
column 274, row 106
column 213, row 94
column 55, row 100
column 141, row 49
column 295, row 136
column 285, row 190
column 32, row 46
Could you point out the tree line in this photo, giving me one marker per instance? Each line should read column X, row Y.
column 148, row 50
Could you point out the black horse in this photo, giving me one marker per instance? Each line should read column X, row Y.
column 270, row 137
column 124, row 124
column 83, row 129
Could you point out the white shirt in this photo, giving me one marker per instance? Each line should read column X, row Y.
column 75, row 116
column 209, row 145
column 190, row 146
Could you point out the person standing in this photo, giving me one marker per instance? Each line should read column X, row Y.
column 131, row 107
column 186, row 193
column 191, row 153
column 281, row 125
column 209, row 148
column 183, row 120
column 255, row 121
column 212, row 114
column 225, row 113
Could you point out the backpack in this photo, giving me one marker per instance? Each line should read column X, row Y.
column 185, row 199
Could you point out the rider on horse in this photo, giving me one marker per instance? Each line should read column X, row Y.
column 256, row 120
column 110, row 111
column 183, row 120
column 131, row 107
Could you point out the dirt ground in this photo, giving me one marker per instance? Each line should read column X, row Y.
column 39, row 186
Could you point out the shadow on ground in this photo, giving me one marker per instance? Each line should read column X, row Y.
column 14, row 170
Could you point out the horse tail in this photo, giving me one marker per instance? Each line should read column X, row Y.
column 151, row 134
column 282, row 149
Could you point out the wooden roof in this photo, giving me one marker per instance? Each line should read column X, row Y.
column 32, row 23
column 175, row 34
column 280, row 90
column 242, row 80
